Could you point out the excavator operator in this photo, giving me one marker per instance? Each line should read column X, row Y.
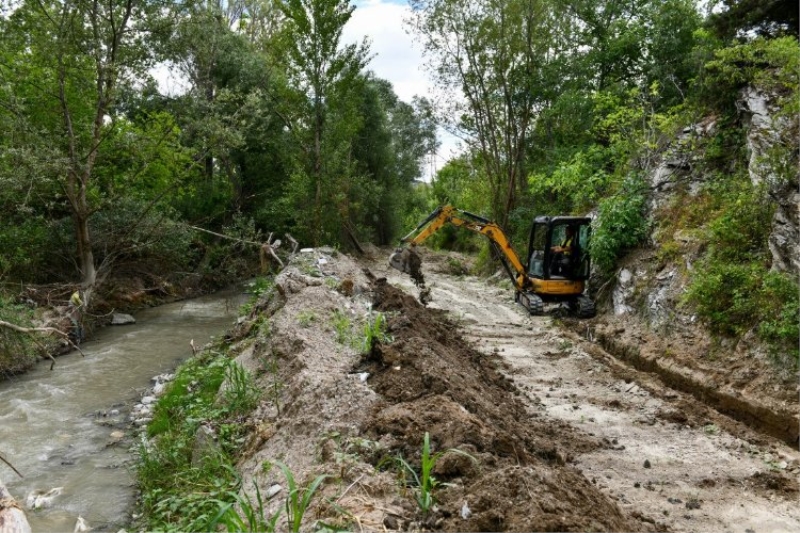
column 563, row 253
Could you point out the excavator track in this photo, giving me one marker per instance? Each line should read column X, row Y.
column 583, row 307
column 532, row 302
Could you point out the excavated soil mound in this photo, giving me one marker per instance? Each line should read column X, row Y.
column 430, row 380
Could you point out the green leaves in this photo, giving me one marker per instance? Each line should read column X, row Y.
column 425, row 482
column 620, row 225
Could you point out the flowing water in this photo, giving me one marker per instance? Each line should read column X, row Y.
column 55, row 426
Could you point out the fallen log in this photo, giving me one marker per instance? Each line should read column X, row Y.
column 12, row 517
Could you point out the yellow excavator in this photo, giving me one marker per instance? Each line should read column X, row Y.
column 557, row 264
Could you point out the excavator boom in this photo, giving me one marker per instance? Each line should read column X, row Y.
column 406, row 260
column 543, row 281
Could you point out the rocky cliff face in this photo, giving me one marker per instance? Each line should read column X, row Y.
column 771, row 137
column 651, row 291
column 647, row 322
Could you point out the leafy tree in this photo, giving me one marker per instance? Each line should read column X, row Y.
column 65, row 62
column 324, row 71
column 493, row 53
column 770, row 18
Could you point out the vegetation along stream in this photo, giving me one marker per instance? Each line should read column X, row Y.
column 56, row 426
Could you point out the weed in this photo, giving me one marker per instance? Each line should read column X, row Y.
column 272, row 367
column 250, row 517
column 241, row 394
column 299, row 498
column 305, row 318
column 425, row 481
column 256, row 288
column 342, row 325
column 375, row 330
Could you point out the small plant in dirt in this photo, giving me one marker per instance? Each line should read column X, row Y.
column 425, row 482
column 343, row 326
column 256, row 289
column 250, row 517
column 306, row 318
column 241, row 394
column 299, row 498
column 271, row 366
column 375, row 331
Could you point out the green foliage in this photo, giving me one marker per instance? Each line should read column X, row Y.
column 343, row 326
column 779, row 325
column 374, row 331
column 24, row 241
column 299, row 498
column 741, row 225
column 425, row 482
column 770, row 65
column 575, row 185
column 17, row 350
column 240, row 394
column 733, row 298
column 620, row 225
column 230, row 520
column 723, row 295
column 179, row 492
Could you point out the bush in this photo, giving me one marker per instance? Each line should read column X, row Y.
column 742, row 224
column 733, row 298
column 620, row 225
column 17, row 350
column 722, row 294
column 780, row 322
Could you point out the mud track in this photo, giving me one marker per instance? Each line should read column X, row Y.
column 666, row 457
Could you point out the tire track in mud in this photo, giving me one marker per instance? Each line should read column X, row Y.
column 667, row 458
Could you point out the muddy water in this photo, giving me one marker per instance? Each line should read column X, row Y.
column 55, row 426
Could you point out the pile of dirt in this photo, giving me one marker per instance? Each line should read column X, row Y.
column 431, row 380
column 331, row 408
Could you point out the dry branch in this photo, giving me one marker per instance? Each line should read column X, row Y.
column 31, row 331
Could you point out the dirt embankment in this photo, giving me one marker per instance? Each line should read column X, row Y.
column 332, row 409
column 564, row 437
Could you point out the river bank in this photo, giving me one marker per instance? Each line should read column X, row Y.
column 70, row 428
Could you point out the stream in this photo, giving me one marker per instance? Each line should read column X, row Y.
column 55, row 426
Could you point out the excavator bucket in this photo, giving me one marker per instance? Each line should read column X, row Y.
column 407, row 260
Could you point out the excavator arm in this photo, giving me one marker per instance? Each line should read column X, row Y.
column 406, row 260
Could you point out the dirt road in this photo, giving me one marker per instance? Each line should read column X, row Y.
column 665, row 457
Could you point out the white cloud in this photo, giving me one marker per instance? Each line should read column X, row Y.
column 395, row 55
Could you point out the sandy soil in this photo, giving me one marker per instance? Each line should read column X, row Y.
column 560, row 435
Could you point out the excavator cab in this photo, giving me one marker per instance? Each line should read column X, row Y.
column 558, row 248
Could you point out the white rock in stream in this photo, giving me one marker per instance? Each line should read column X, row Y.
column 121, row 319
column 81, row 526
column 39, row 499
